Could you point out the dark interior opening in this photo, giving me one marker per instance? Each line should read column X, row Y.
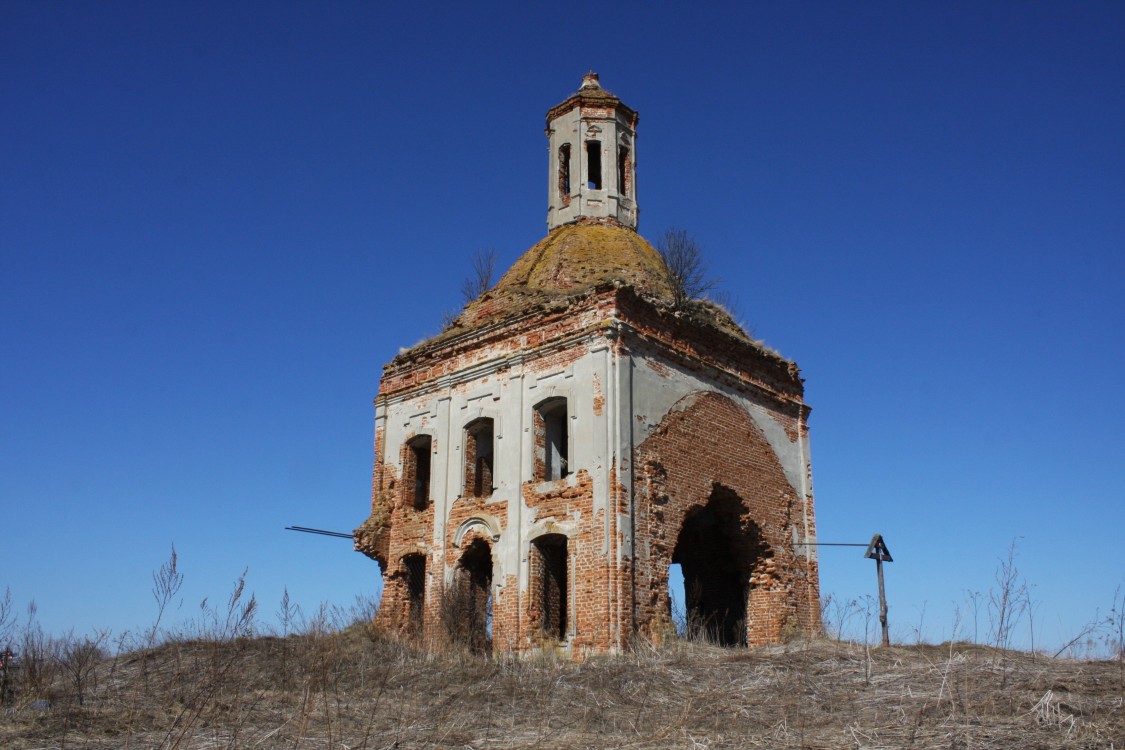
column 550, row 576
column 594, row 164
column 473, row 616
column 717, row 553
column 564, row 173
column 415, row 569
column 420, row 466
column 478, row 458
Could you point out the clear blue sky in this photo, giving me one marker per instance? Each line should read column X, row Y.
column 217, row 221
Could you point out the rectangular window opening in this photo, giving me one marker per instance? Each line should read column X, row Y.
column 551, row 582
column 417, row 478
column 552, row 441
column 479, row 459
column 564, row 173
column 623, row 171
column 594, row 165
column 414, row 567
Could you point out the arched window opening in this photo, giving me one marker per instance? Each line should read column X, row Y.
column 414, row 571
column 564, row 174
column 717, row 551
column 467, row 609
column 416, row 472
column 552, row 441
column 594, row 165
column 478, row 458
column 549, row 584
column 623, row 169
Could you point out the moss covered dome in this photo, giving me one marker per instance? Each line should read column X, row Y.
column 569, row 261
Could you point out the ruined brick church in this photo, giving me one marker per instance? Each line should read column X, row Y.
column 542, row 462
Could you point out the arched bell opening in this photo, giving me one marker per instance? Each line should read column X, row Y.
column 717, row 553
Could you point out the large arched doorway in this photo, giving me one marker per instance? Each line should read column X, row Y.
column 468, row 606
column 717, row 553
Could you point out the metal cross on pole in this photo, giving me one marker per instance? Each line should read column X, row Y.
column 878, row 552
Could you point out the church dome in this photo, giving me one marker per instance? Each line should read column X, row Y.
column 576, row 259
column 569, row 261
column 592, row 243
column 578, row 256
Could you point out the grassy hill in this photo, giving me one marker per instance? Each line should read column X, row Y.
column 358, row 689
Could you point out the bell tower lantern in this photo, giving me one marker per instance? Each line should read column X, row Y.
column 592, row 164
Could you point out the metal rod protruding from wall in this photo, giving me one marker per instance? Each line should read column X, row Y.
column 307, row 530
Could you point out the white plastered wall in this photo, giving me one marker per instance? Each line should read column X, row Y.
column 507, row 390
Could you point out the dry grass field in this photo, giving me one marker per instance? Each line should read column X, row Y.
column 357, row 689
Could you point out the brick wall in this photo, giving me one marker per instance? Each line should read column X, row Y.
column 707, row 449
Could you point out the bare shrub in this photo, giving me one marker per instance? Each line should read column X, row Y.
column 481, row 276
column 79, row 660
column 1115, row 627
column 1103, row 636
column 835, row 614
column 38, row 655
column 7, row 653
column 683, row 263
column 463, row 619
column 1008, row 601
column 7, row 618
column 1114, row 637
